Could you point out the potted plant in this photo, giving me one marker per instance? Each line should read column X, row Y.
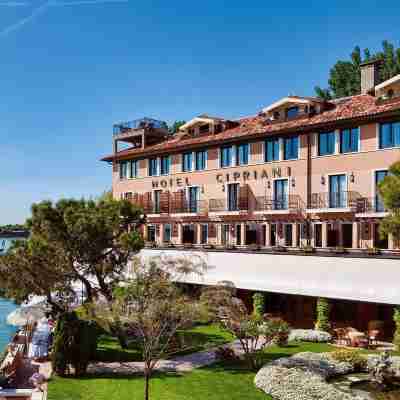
column 338, row 250
column 372, row 251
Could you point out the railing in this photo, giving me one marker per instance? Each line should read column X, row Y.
column 195, row 206
column 140, row 123
column 370, row 205
column 219, row 205
column 269, row 203
column 175, row 207
column 345, row 199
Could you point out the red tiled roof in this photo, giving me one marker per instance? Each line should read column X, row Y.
column 355, row 108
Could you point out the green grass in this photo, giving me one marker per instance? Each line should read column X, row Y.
column 221, row 381
column 195, row 339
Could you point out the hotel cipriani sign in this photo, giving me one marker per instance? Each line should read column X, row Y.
column 229, row 177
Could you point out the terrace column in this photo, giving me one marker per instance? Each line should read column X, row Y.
column 268, row 234
column 356, row 235
column 180, row 234
column 340, row 234
column 161, row 237
column 295, row 234
column 243, row 233
column 198, row 234
column 219, row 234
column 324, row 234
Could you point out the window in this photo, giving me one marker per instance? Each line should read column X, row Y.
column 337, row 191
column 167, row 232
column 165, row 162
column 389, row 135
column 292, row 112
column 200, row 160
column 153, row 167
column 326, row 143
column 233, row 197
column 193, row 197
column 204, row 128
column 349, row 140
column 271, row 150
column 281, row 195
column 151, row 233
column 291, row 148
column 289, row 235
column 134, row 168
column 204, row 234
column 226, row 156
column 242, row 154
column 379, row 177
column 156, row 198
column 123, row 170
column 187, row 162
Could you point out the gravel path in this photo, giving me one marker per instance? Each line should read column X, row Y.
column 175, row 364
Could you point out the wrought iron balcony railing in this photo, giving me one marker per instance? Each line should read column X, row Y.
column 370, row 205
column 269, row 203
column 220, row 205
column 345, row 199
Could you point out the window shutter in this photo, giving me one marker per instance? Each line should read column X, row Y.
column 174, row 232
column 164, row 202
column 256, row 148
column 212, row 154
column 244, row 197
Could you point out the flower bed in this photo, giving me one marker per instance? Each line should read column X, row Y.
column 309, row 335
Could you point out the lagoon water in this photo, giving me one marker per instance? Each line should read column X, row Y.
column 6, row 331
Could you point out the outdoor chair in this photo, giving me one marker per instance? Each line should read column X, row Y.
column 373, row 337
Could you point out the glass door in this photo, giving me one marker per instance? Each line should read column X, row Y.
column 379, row 177
column 281, row 195
column 193, row 196
column 337, row 191
column 233, row 197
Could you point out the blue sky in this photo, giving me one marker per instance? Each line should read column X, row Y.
column 71, row 71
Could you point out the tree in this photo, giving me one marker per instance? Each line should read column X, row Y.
column 389, row 190
column 250, row 329
column 174, row 128
column 74, row 241
column 154, row 308
column 344, row 76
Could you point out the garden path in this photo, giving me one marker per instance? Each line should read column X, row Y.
column 175, row 364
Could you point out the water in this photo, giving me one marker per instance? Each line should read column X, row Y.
column 6, row 331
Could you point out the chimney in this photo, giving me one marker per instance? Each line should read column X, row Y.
column 369, row 76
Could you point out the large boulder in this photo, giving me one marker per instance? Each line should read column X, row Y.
column 303, row 377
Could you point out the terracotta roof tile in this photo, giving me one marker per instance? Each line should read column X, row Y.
column 356, row 107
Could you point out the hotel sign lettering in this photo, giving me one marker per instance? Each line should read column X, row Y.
column 277, row 172
column 247, row 175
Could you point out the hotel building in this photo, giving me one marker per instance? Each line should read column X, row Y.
column 284, row 201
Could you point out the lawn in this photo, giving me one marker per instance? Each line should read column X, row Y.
column 198, row 338
column 221, row 381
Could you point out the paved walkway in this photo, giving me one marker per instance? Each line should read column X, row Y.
column 175, row 364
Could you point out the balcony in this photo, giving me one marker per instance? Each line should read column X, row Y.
column 221, row 205
column 287, row 204
column 370, row 205
column 175, row 207
column 345, row 201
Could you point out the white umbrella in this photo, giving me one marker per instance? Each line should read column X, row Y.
column 26, row 315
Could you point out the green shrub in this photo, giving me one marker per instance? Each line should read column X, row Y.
column 258, row 304
column 75, row 343
column 323, row 310
column 354, row 357
column 275, row 330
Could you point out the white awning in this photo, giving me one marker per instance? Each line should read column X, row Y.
column 361, row 279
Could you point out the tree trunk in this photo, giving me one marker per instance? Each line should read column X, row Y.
column 146, row 385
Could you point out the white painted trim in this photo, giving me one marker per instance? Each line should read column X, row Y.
column 388, row 82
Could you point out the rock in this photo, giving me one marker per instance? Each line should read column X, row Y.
column 303, row 377
column 309, row 335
